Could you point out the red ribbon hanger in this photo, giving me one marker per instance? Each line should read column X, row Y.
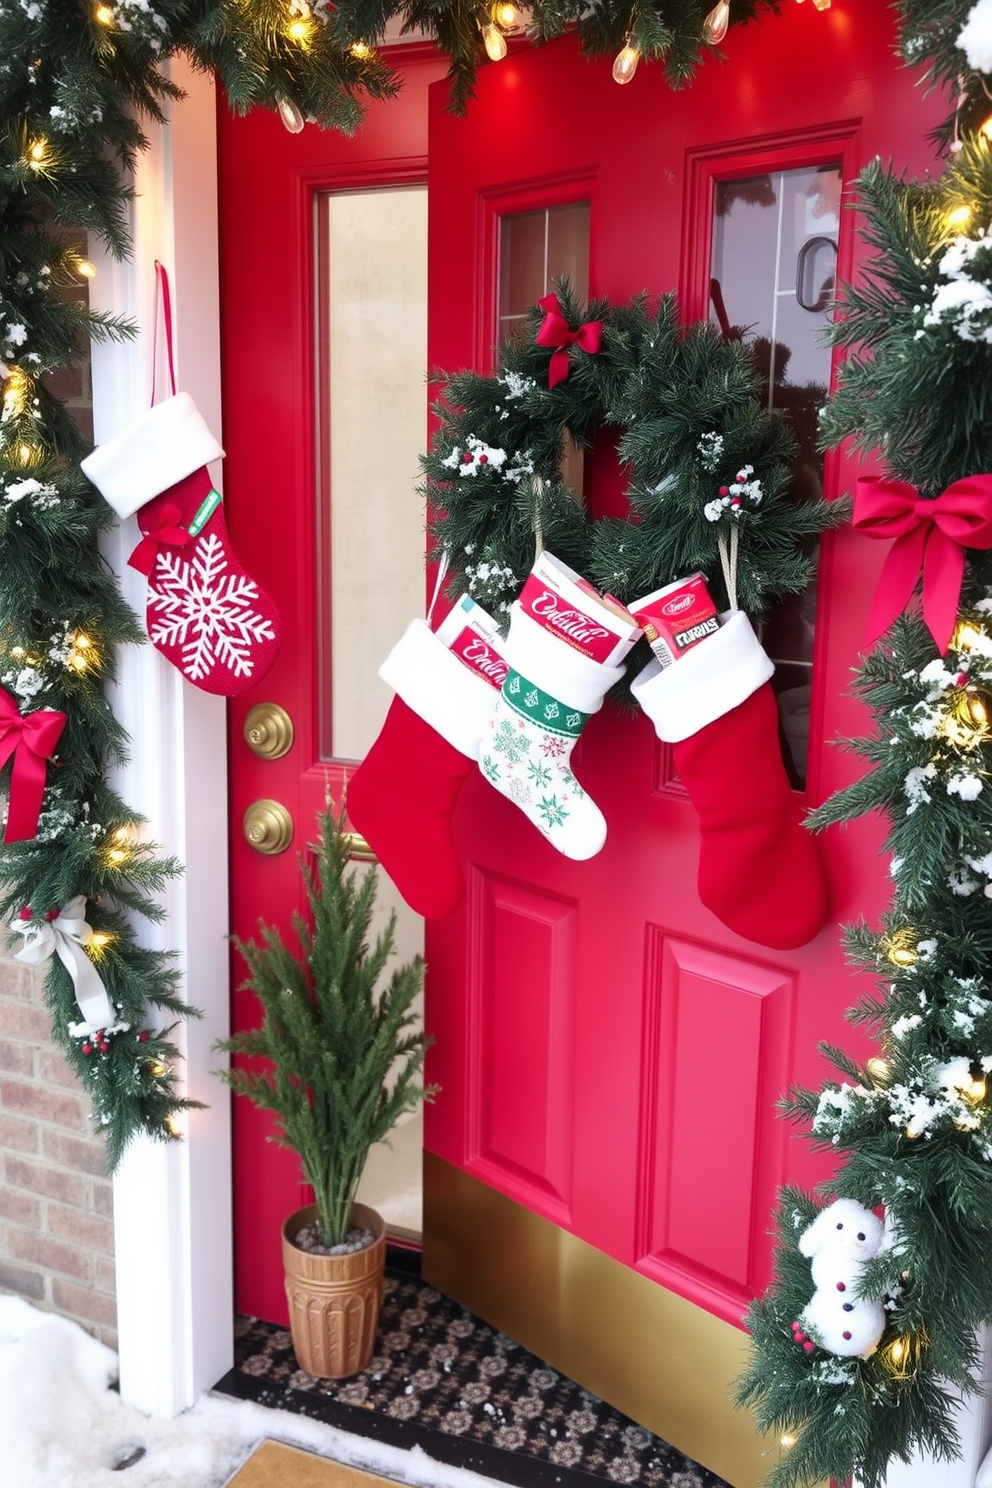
column 930, row 539
column 555, row 331
column 168, row 531
column 162, row 295
column 32, row 739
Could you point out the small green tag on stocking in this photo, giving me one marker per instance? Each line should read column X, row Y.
column 205, row 511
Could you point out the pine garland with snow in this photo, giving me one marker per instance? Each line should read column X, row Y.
column 707, row 464
column 912, row 1126
column 952, row 40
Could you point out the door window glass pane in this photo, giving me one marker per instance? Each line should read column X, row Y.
column 535, row 249
column 773, row 276
column 372, row 334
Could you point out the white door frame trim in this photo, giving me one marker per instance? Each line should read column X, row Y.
column 172, row 1201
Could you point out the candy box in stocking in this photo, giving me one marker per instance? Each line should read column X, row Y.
column 213, row 622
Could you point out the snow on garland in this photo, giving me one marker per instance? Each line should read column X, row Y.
column 708, row 471
column 911, row 1126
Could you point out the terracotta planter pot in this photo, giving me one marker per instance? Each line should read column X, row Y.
column 334, row 1299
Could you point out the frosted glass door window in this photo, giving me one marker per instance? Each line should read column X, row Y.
column 372, row 338
column 773, row 277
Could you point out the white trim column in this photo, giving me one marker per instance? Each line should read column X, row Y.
column 172, row 1201
column 974, row 1424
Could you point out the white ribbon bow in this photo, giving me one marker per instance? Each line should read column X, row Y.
column 65, row 937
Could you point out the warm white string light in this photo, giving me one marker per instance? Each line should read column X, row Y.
column 290, row 115
column 716, row 23
column 494, row 42
column 625, row 63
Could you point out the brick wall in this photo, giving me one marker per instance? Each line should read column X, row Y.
column 56, row 1225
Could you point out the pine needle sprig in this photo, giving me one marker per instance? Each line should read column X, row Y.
column 342, row 1040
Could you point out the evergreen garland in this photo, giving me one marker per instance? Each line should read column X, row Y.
column 949, row 39
column 913, row 1125
column 692, row 434
column 312, row 58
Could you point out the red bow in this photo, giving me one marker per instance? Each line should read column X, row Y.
column 556, row 331
column 167, row 531
column 930, row 539
column 31, row 738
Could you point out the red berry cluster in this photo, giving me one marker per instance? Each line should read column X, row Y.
column 798, row 1336
column 99, row 1043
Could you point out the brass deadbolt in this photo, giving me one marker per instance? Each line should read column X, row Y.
column 269, row 731
column 268, row 827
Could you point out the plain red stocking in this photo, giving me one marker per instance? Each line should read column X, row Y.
column 402, row 796
column 759, row 869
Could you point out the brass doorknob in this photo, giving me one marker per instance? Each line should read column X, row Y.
column 358, row 848
column 268, row 827
column 269, row 731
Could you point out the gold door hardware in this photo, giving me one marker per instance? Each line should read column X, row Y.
column 359, row 849
column 268, row 827
column 269, row 731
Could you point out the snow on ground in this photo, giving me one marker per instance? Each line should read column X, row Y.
column 61, row 1424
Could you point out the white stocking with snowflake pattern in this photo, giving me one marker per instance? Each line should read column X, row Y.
column 549, row 694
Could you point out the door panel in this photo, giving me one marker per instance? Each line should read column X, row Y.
column 694, row 1157
column 280, row 353
column 657, row 1039
column 521, row 1043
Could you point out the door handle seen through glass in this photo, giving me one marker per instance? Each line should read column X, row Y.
column 268, row 827
column 806, row 261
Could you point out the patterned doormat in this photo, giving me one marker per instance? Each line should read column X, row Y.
column 469, row 1396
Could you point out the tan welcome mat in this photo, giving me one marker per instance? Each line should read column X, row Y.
column 273, row 1465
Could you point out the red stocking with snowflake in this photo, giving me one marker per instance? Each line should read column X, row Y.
column 204, row 613
column 759, row 870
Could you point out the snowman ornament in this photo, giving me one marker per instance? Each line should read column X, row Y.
column 842, row 1238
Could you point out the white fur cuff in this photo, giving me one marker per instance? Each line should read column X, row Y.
column 151, row 454
column 556, row 667
column 710, row 680
column 439, row 688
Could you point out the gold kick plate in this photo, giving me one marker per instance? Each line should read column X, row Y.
column 268, row 731
column 268, row 827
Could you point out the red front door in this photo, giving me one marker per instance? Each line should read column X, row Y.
column 609, row 1055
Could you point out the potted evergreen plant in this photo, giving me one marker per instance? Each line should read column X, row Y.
column 345, row 1055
